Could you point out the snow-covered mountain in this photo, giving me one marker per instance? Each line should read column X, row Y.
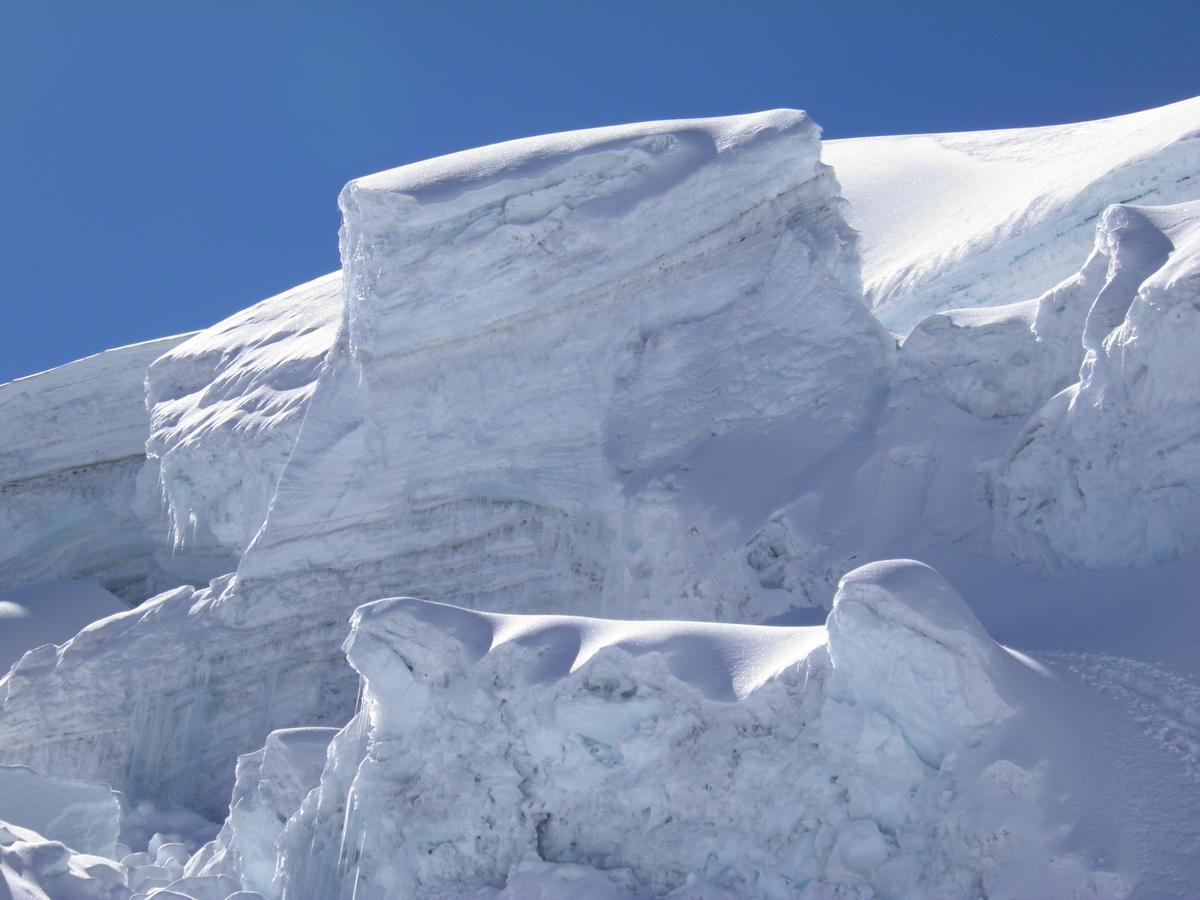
column 617, row 407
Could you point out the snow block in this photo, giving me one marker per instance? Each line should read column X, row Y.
column 271, row 784
column 904, row 643
column 1107, row 472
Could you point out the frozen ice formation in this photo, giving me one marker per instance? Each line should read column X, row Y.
column 629, row 373
column 580, row 330
column 547, row 416
column 903, row 642
column 1107, row 473
column 978, row 218
column 747, row 760
column 72, row 444
column 271, row 784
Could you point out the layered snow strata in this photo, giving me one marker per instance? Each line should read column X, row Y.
column 1107, row 473
column 225, row 408
column 751, row 759
column 72, row 444
column 988, row 218
column 552, row 351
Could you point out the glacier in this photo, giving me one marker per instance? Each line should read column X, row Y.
column 620, row 408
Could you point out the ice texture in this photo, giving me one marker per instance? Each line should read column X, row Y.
column 629, row 373
column 654, row 757
column 606, row 329
column 1107, row 473
column 72, row 445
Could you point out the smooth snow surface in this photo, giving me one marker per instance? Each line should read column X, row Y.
column 614, row 405
column 976, row 218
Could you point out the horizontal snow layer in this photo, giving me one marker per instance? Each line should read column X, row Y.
column 672, row 754
column 225, row 408
column 1107, row 473
column 992, row 217
column 72, row 445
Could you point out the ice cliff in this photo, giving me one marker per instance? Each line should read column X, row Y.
column 581, row 331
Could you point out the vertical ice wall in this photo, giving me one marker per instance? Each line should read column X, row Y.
column 557, row 350
column 1107, row 473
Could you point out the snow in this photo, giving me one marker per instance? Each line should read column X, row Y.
column 611, row 404
column 225, row 407
column 83, row 815
column 34, row 615
column 71, row 449
column 974, row 219
column 1106, row 474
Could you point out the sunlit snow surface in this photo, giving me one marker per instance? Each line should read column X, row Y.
column 629, row 373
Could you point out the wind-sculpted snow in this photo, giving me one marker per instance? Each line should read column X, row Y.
column 225, row 408
column 673, row 756
column 72, row 445
column 988, row 218
column 1107, row 473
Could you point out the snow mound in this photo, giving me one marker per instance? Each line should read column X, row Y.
column 1107, row 473
column 225, row 407
column 903, row 642
column 72, row 444
column 34, row 615
column 34, row 868
column 988, row 218
column 83, row 815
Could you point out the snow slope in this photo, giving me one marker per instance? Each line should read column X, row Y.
column 978, row 218
column 72, row 445
column 225, row 407
column 1107, row 474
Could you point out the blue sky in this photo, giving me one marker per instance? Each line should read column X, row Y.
column 164, row 164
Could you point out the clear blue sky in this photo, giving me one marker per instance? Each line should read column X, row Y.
column 163, row 164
